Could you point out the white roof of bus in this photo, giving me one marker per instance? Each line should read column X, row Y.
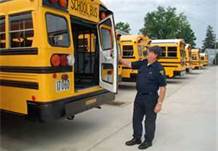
column 202, row 54
column 188, row 46
column 158, row 41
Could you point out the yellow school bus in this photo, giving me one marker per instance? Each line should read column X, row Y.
column 196, row 62
column 133, row 48
column 46, row 62
column 204, row 59
column 188, row 58
column 172, row 57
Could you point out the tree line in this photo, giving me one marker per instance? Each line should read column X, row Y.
column 166, row 23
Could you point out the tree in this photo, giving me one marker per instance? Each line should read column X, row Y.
column 167, row 24
column 210, row 40
column 124, row 27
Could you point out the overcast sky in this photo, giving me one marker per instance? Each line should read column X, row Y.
column 200, row 13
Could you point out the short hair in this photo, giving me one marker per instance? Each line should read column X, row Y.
column 156, row 50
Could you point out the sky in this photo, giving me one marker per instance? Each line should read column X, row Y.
column 200, row 13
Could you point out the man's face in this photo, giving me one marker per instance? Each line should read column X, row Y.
column 151, row 56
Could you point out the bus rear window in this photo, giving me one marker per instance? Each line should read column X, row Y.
column 172, row 51
column 127, row 51
column 21, row 30
column 106, row 36
column 163, row 53
column 194, row 57
column 58, row 34
column 141, row 48
column 83, row 45
column 2, row 32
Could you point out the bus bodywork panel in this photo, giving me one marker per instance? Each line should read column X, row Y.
column 188, row 62
column 172, row 57
column 196, row 62
column 28, row 80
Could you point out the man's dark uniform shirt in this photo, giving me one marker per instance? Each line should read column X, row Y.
column 149, row 79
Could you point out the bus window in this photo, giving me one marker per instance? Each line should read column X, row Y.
column 82, row 44
column 194, row 57
column 57, row 29
column 107, row 42
column 2, row 32
column 140, row 50
column 127, row 51
column 163, row 53
column 172, row 51
column 21, row 30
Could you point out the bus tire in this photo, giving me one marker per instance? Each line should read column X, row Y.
column 71, row 117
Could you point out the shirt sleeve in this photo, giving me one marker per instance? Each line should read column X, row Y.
column 137, row 64
column 162, row 80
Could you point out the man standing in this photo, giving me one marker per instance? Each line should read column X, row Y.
column 150, row 79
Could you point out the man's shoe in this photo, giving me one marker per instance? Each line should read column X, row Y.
column 145, row 145
column 133, row 141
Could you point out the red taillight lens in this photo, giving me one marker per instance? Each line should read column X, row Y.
column 55, row 60
column 59, row 60
column 53, row 1
column 64, row 61
column 63, row 3
column 64, row 77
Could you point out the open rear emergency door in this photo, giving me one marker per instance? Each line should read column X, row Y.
column 108, row 54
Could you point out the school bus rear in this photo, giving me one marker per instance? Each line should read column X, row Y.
column 196, row 62
column 133, row 49
column 188, row 58
column 172, row 57
column 204, row 59
column 40, row 55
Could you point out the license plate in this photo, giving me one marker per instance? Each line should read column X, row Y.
column 62, row 85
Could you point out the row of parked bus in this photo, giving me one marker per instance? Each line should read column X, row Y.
column 177, row 57
column 59, row 58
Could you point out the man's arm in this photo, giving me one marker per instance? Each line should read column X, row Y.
column 133, row 65
column 126, row 63
column 160, row 101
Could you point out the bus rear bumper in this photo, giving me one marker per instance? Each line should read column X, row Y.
column 45, row 112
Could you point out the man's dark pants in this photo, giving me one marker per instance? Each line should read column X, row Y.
column 144, row 107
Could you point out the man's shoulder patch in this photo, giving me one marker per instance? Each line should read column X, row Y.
column 162, row 72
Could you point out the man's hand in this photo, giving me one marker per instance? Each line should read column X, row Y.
column 158, row 108
column 125, row 63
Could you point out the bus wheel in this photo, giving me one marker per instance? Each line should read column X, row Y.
column 71, row 117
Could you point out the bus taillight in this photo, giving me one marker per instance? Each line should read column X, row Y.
column 60, row 60
column 64, row 61
column 64, row 77
column 55, row 60
column 63, row 3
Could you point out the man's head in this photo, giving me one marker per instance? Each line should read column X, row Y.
column 153, row 53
